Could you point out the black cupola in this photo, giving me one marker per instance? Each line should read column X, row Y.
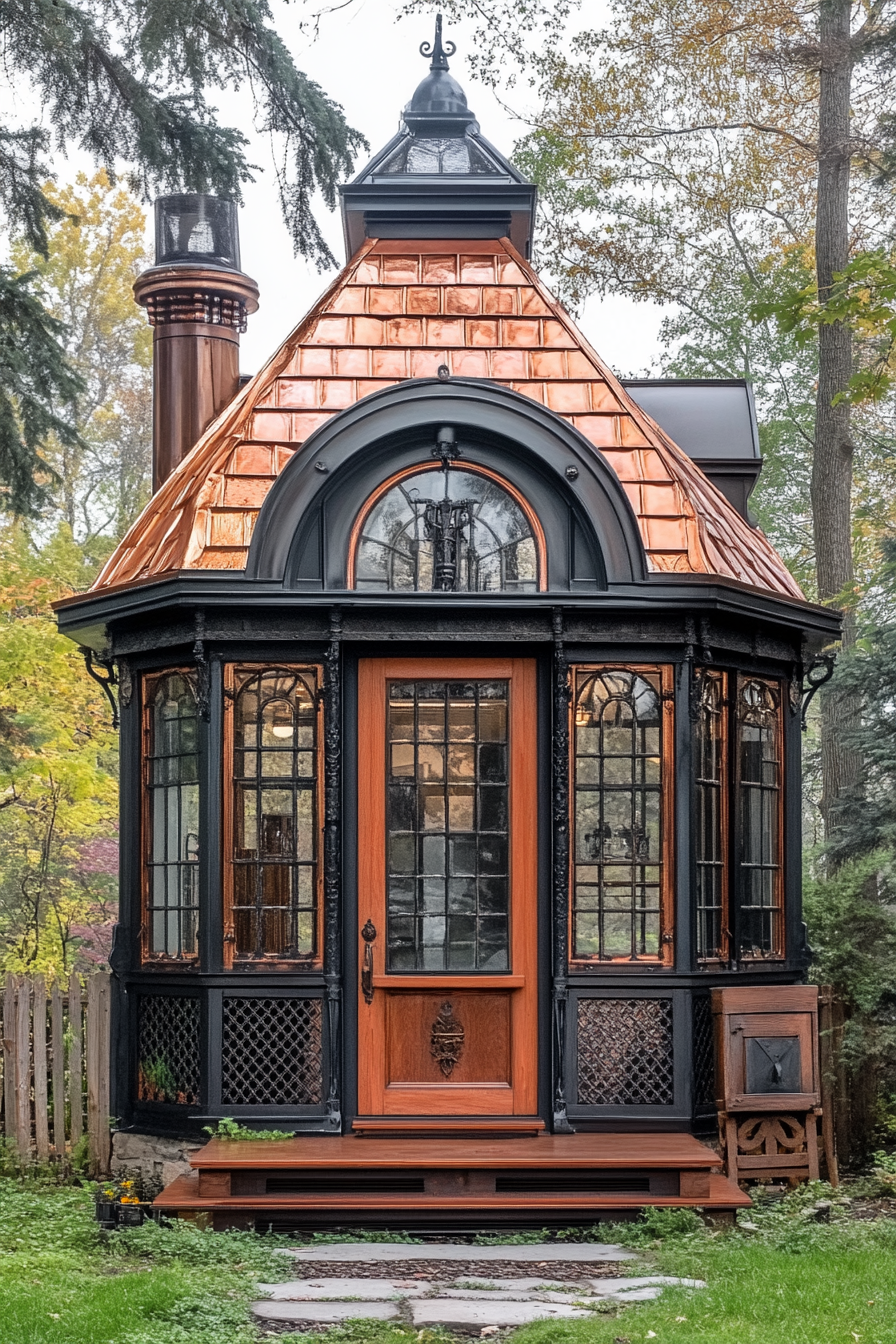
column 439, row 105
column 438, row 177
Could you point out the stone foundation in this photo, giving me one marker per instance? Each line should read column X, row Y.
column 157, row 1160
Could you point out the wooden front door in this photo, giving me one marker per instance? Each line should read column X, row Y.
column 447, row 928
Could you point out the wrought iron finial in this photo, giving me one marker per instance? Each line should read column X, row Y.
column 435, row 49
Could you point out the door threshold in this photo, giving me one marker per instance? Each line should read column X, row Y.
column 431, row 1126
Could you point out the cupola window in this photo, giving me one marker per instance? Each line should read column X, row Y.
column 454, row 530
column 273, row 877
column 621, row 820
column 171, row 773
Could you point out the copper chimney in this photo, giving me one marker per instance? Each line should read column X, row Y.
column 197, row 300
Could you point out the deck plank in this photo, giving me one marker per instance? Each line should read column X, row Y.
column 595, row 1151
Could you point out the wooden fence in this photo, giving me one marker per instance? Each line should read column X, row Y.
column 56, row 1067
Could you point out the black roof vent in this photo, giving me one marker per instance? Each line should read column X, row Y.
column 714, row 421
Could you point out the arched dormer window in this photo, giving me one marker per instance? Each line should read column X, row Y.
column 447, row 528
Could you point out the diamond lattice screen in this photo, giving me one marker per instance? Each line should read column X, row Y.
column 625, row 1052
column 271, row 1052
column 704, row 1057
column 168, row 1049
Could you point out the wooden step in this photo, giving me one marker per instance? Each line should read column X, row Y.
column 598, row 1151
column 413, row 1212
column 455, row 1182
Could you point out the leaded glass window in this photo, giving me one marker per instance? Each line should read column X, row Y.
column 758, row 782
column 171, row 773
column 276, row 814
column 447, row 826
column 710, row 814
column 454, row 530
column 619, row 831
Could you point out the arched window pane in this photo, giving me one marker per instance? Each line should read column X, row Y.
column 618, row 836
column 710, row 814
column 275, row 814
column 172, row 777
column 447, row 531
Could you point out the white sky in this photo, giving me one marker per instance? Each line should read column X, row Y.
column 369, row 62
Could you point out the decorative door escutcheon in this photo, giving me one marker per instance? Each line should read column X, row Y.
column 446, row 1044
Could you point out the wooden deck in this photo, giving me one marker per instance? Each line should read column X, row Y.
column 463, row 1184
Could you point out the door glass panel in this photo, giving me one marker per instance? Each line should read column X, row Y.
column 447, row 822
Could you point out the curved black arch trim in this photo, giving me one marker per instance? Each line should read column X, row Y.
column 472, row 406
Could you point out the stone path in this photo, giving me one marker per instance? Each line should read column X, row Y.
column 471, row 1289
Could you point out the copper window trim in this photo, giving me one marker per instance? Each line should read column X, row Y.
column 253, row 965
column 666, row 957
column 475, row 470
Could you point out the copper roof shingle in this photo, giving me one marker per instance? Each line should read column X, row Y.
column 398, row 310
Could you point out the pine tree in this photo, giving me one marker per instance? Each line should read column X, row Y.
column 129, row 83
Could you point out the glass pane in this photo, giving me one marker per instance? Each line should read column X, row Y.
column 173, row 841
column 617, row 815
column 758, row 762
column 447, row 903
column 447, row 530
column 276, row 822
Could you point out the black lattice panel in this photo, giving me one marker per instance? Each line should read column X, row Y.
column 625, row 1052
column 704, row 1056
column 272, row 1052
column 168, row 1049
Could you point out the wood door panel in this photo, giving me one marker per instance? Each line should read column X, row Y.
column 484, row 1053
column 496, row 1071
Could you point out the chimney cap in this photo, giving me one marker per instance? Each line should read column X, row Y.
column 196, row 229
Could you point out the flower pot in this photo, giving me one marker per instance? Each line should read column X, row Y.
column 105, row 1211
column 130, row 1215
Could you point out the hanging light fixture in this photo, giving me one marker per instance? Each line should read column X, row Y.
column 282, row 724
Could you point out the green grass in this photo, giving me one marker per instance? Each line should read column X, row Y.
column 62, row 1281
column 794, row 1281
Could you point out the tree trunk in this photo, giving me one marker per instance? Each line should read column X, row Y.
column 832, row 462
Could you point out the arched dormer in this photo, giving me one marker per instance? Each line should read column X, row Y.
column 584, row 533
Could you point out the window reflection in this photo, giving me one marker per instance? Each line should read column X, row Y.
column 454, row 531
column 275, row 813
column 447, row 822
column 618, row 814
column 710, row 784
column 759, row 796
column 172, row 777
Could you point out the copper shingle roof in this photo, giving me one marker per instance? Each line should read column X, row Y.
column 398, row 310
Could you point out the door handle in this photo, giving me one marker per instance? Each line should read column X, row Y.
column 368, row 933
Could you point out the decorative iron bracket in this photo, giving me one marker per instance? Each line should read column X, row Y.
column 107, row 681
column 816, row 675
